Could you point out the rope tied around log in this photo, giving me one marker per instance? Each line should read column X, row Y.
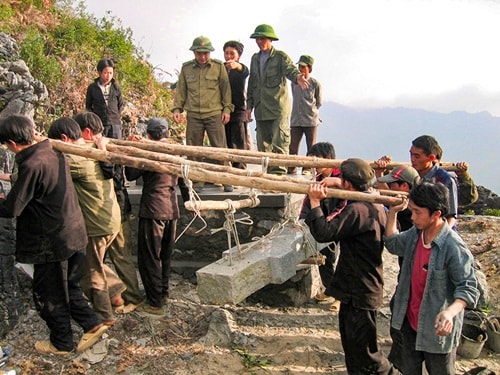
column 264, row 163
column 254, row 197
column 294, row 220
column 194, row 197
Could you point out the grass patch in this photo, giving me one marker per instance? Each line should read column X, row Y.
column 251, row 360
column 492, row 212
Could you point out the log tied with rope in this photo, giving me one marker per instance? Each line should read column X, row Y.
column 161, row 157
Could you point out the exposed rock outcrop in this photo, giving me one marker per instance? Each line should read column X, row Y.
column 487, row 199
column 20, row 93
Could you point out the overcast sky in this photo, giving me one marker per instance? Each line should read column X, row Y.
column 440, row 55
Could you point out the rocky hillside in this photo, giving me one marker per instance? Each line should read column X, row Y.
column 61, row 45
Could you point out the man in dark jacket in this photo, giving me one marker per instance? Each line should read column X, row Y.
column 158, row 214
column 331, row 207
column 104, row 98
column 236, row 128
column 51, row 235
column 358, row 279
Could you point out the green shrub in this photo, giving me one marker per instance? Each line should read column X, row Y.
column 6, row 13
column 75, row 34
column 492, row 212
column 43, row 65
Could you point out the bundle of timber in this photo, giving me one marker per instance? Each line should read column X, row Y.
column 164, row 157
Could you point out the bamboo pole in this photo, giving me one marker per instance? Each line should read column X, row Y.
column 151, row 155
column 221, row 205
column 198, row 174
column 140, row 153
column 392, row 192
column 251, row 157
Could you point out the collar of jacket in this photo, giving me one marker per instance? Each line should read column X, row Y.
column 195, row 64
column 442, row 235
column 28, row 151
column 272, row 51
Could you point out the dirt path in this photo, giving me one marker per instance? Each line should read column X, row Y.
column 249, row 338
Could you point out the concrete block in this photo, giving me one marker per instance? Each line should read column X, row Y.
column 271, row 260
column 231, row 279
column 287, row 251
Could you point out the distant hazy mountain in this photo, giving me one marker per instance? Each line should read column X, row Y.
column 371, row 133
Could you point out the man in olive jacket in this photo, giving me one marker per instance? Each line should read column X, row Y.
column 204, row 92
column 267, row 94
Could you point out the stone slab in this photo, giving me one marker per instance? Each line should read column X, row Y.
column 269, row 261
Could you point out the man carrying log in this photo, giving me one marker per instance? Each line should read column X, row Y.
column 158, row 214
column 50, row 235
column 425, row 153
column 358, row 279
column 401, row 179
column 120, row 250
column 331, row 207
column 101, row 214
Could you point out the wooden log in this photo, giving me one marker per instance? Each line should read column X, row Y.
column 140, row 153
column 200, row 174
column 392, row 192
column 251, row 157
column 221, row 205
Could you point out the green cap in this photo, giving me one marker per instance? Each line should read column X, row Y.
column 264, row 31
column 403, row 173
column 202, row 44
column 357, row 171
column 306, row 60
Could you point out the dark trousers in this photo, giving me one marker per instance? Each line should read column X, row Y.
column 435, row 364
column 58, row 297
column 296, row 134
column 113, row 131
column 358, row 332
column 155, row 245
column 327, row 270
column 396, row 354
column 236, row 134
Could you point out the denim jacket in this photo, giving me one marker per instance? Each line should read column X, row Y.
column 450, row 276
